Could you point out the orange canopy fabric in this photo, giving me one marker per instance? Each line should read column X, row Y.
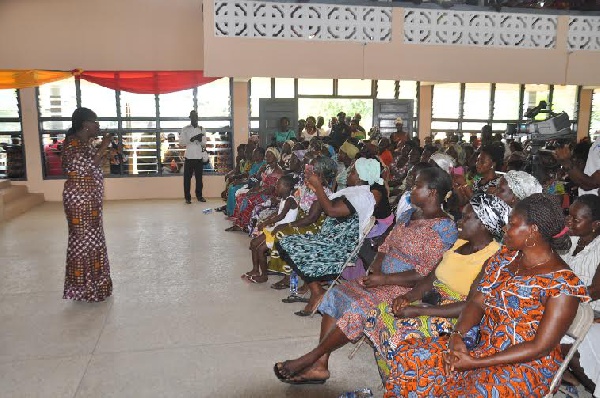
column 14, row 79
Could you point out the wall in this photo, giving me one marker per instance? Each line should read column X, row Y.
column 100, row 35
column 396, row 60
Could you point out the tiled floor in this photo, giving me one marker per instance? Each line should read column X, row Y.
column 181, row 322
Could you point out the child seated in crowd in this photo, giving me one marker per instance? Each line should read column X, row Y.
column 260, row 245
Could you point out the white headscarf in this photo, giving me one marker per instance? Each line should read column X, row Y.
column 444, row 161
column 369, row 170
column 522, row 184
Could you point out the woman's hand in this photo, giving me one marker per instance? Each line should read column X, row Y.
column 562, row 153
column 279, row 228
column 374, row 280
column 106, row 138
column 399, row 304
column 459, row 361
column 408, row 311
column 454, row 356
column 313, row 181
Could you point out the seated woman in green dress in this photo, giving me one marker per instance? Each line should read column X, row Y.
column 321, row 256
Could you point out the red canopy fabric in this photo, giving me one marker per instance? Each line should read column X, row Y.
column 147, row 82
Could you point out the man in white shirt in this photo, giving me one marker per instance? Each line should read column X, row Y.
column 589, row 179
column 193, row 139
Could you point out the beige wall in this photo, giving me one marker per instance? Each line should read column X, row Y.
column 397, row 60
column 101, row 34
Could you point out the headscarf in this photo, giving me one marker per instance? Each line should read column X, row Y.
column 369, row 170
column 522, row 184
column 444, row 161
column 492, row 211
column 274, row 151
column 290, row 143
column 300, row 154
column 349, row 149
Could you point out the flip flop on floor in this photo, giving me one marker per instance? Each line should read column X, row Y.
column 304, row 313
column 280, row 286
column 233, row 228
column 252, row 278
column 294, row 299
column 304, row 381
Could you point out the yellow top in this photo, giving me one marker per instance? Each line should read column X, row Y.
column 458, row 271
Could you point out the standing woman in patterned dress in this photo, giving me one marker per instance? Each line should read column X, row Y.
column 87, row 276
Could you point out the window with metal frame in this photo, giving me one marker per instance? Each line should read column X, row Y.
column 326, row 97
column 12, row 153
column 145, row 127
column 466, row 107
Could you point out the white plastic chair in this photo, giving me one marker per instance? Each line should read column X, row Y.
column 351, row 256
column 578, row 329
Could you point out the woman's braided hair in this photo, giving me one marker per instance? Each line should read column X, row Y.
column 544, row 211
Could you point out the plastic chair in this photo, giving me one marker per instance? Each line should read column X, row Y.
column 578, row 329
column 351, row 256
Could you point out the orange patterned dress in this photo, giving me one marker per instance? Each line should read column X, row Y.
column 87, row 275
column 514, row 308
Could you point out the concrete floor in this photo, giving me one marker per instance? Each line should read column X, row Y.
column 181, row 322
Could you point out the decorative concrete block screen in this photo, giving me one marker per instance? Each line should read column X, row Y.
column 584, row 33
column 478, row 28
column 302, row 21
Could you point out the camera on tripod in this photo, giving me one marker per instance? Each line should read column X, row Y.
column 555, row 129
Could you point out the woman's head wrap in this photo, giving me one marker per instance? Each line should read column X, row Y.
column 290, row 143
column 492, row 211
column 300, row 154
column 444, row 161
column 274, row 151
column 369, row 170
column 522, row 184
column 349, row 149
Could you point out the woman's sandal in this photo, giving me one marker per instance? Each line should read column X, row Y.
column 248, row 274
column 252, row 278
column 304, row 313
column 292, row 298
column 280, row 285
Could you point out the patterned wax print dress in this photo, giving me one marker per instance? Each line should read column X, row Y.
column 87, row 275
column 412, row 245
column 514, row 307
column 454, row 276
column 321, row 256
column 246, row 203
column 305, row 197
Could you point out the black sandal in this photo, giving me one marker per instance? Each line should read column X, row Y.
column 280, row 285
column 292, row 298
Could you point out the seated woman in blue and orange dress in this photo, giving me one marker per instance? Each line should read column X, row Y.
column 523, row 306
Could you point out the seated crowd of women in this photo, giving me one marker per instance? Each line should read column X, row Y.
column 463, row 286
